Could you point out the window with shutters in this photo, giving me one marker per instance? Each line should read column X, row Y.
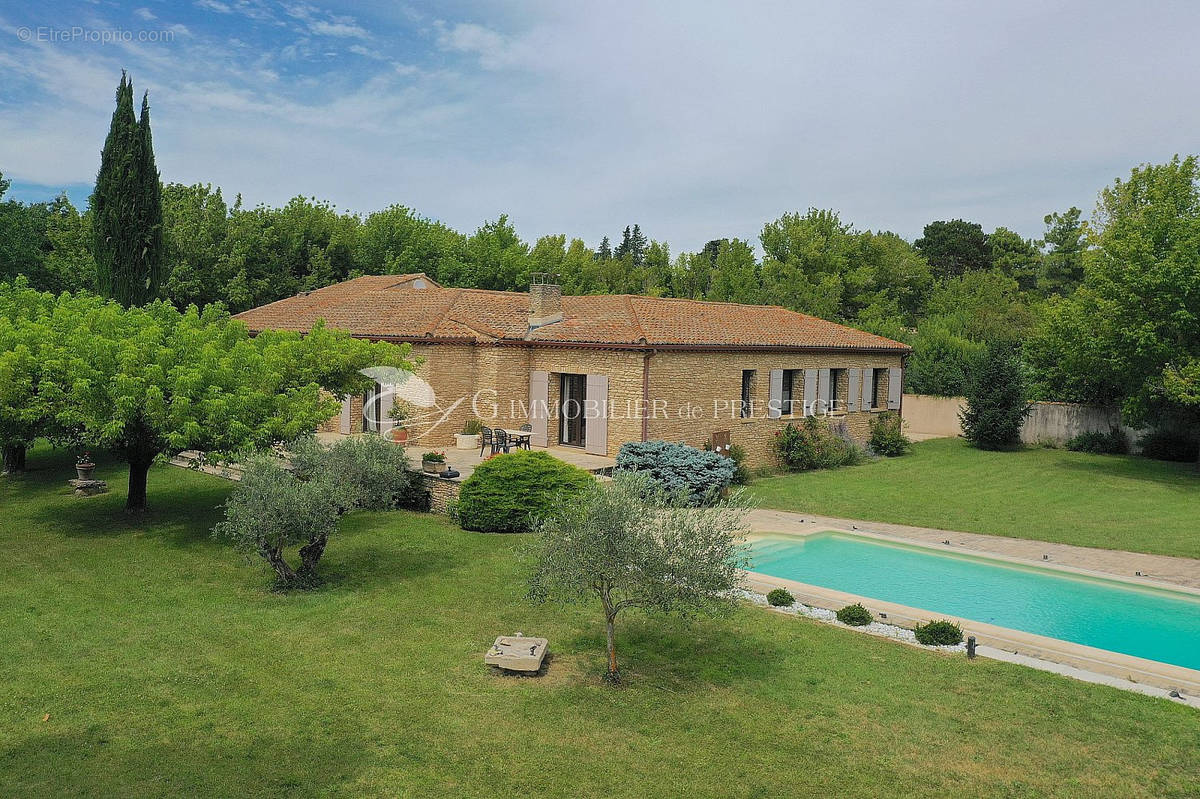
column 880, row 394
column 747, row 393
column 792, row 397
column 838, row 385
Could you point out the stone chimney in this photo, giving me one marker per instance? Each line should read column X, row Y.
column 545, row 300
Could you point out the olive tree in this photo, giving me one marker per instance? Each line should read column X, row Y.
column 272, row 509
column 629, row 545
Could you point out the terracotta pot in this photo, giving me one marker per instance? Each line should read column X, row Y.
column 399, row 435
column 84, row 470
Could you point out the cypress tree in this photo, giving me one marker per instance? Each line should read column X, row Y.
column 126, row 209
column 150, row 213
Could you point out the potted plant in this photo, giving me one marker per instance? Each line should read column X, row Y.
column 469, row 437
column 399, row 412
column 433, row 462
column 84, row 466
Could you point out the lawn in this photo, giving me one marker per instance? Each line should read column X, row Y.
column 1107, row 501
column 142, row 658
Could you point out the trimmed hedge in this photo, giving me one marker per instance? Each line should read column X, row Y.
column 780, row 598
column 679, row 469
column 855, row 615
column 938, row 633
column 508, row 493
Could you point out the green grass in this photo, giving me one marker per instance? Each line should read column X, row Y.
column 168, row 669
column 1107, row 501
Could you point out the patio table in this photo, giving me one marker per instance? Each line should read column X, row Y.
column 516, row 435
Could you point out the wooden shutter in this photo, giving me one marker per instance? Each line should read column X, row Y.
column 595, row 415
column 810, row 392
column 539, row 406
column 824, row 391
column 344, row 421
column 895, row 378
column 852, row 392
column 868, row 389
column 775, row 397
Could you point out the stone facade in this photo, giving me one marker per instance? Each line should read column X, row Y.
column 699, row 393
column 675, row 395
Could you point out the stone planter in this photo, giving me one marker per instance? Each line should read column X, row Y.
column 84, row 470
column 466, row 441
column 433, row 467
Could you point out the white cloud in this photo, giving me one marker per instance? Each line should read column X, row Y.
column 341, row 29
column 693, row 122
column 144, row 13
column 214, row 5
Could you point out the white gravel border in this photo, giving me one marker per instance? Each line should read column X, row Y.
column 877, row 628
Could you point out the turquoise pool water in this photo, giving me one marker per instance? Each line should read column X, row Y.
column 1147, row 623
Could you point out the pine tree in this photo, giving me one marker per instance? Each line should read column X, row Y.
column 604, row 251
column 624, row 247
column 637, row 245
column 127, row 207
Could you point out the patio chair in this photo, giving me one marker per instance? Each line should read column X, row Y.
column 485, row 439
column 500, row 441
column 523, row 441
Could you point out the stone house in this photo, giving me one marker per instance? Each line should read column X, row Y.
column 597, row 371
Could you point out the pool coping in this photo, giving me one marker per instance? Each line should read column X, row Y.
column 1054, row 650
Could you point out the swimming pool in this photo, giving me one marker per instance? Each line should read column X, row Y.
column 1144, row 622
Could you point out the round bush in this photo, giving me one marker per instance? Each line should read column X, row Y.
column 508, row 493
column 855, row 615
column 780, row 598
column 938, row 633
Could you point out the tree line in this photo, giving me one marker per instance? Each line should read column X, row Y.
column 949, row 293
column 1102, row 311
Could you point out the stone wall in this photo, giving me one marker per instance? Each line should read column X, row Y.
column 441, row 492
column 699, row 394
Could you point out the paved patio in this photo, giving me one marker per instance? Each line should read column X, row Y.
column 465, row 460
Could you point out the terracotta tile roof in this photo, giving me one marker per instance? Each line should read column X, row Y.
column 392, row 306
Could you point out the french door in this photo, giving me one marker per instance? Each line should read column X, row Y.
column 573, row 396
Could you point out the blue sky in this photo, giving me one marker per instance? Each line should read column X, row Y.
column 697, row 120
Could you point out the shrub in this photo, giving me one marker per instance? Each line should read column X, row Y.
column 680, row 470
column 271, row 510
column 997, row 401
column 1114, row 442
column 780, row 598
column 1166, row 445
column 812, row 445
column 508, row 493
column 887, row 435
column 855, row 615
column 737, row 454
column 939, row 633
column 434, row 457
column 365, row 472
column 473, row 427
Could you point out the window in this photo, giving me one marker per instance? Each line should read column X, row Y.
column 879, row 395
column 792, row 391
column 837, row 392
column 747, row 391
